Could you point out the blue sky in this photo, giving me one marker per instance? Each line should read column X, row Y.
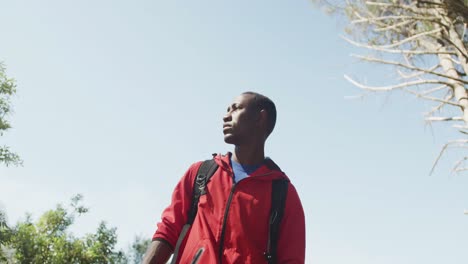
column 117, row 98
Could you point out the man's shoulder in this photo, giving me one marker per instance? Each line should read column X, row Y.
column 197, row 164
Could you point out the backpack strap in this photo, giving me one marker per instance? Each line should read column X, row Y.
column 279, row 191
column 206, row 170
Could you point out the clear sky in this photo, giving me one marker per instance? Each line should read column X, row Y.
column 117, row 98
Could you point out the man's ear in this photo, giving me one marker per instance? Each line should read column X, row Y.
column 263, row 118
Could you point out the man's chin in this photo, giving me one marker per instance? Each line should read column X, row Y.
column 229, row 139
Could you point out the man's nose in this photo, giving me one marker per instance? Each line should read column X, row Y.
column 227, row 117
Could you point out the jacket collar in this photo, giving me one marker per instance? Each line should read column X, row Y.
column 268, row 167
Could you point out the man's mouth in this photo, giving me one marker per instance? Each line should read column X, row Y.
column 226, row 128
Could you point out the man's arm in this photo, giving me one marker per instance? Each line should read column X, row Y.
column 158, row 253
column 172, row 220
column 292, row 243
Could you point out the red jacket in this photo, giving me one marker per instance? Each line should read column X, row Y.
column 245, row 220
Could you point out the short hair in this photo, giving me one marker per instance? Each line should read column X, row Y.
column 264, row 103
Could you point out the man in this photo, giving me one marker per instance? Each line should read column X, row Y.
column 232, row 223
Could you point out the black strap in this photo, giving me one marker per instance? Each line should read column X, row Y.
column 206, row 170
column 279, row 191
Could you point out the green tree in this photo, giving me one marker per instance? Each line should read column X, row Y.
column 137, row 250
column 7, row 90
column 426, row 42
column 5, row 237
column 48, row 240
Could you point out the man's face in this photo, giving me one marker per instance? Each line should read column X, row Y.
column 240, row 121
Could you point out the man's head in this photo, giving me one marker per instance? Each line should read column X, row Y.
column 249, row 119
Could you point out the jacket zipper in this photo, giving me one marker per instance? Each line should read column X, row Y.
column 223, row 230
column 197, row 256
column 226, row 212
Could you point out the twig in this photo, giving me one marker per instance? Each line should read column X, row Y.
column 399, row 43
column 438, row 88
column 449, row 96
column 428, row 71
column 458, row 163
column 440, row 118
column 397, row 51
column 394, row 87
column 463, row 141
column 417, row 74
column 394, row 26
column 435, row 99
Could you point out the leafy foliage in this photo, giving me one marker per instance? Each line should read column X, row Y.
column 137, row 250
column 5, row 236
column 7, row 90
column 48, row 240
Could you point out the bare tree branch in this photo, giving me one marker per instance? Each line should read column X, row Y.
column 397, row 51
column 438, row 88
column 371, row 59
column 450, row 143
column 440, row 118
column 417, row 30
column 462, row 129
column 395, row 87
column 417, row 74
column 435, row 99
column 449, row 96
column 393, row 17
column 373, row 19
column 394, row 26
column 458, row 164
column 454, row 60
column 414, row 37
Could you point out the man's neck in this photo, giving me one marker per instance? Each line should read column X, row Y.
column 249, row 155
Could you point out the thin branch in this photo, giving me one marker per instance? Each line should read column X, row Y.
column 397, row 51
column 422, row 34
column 393, row 87
column 435, row 99
column 417, row 74
column 402, row 86
column 382, row 4
column 440, row 118
column 457, row 168
column 462, row 52
column 394, row 26
column 463, row 141
column 358, row 15
column 438, row 88
column 428, row 71
column 462, row 129
column 454, row 60
column 380, row 18
column 430, row 3
column 375, row 19
column 435, row 109
column 414, row 9
column 448, row 96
